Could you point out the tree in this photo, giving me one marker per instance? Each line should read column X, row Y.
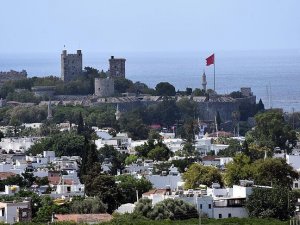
column 63, row 143
column 87, row 206
column 272, row 131
column 90, row 160
column 239, row 169
column 183, row 164
column 198, row 174
column 165, row 89
column 199, row 92
column 143, row 150
column 123, row 85
column 260, row 106
column 143, row 207
column 160, row 153
column 129, row 185
column 130, row 159
column 274, row 171
column 189, row 130
column 116, row 158
column 80, row 128
column 189, row 91
column 172, row 209
column 275, row 202
column 105, row 187
column 132, row 123
column 47, row 208
column 233, row 148
column 188, row 149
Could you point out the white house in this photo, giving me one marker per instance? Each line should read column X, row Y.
column 12, row 212
column 10, row 190
column 215, row 202
column 159, row 181
column 17, row 144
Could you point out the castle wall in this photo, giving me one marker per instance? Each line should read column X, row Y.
column 71, row 65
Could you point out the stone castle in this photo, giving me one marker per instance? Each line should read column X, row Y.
column 105, row 87
column 71, row 65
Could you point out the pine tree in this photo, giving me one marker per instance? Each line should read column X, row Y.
column 80, row 128
column 260, row 106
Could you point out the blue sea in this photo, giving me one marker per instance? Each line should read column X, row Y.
column 274, row 76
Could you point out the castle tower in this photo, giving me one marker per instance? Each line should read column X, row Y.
column 104, row 87
column 204, row 82
column 49, row 117
column 118, row 113
column 116, row 67
column 71, row 65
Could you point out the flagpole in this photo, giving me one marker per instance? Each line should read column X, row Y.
column 214, row 72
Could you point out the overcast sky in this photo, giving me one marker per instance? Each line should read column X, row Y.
column 148, row 25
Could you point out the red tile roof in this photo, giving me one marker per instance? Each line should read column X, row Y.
column 5, row 175
column 83, row 218
column 210, row 158
column 54, row 180
column 156, row 191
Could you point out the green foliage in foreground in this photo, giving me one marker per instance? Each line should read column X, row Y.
column 134, row 220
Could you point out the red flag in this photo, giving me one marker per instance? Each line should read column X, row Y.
column 210, row 60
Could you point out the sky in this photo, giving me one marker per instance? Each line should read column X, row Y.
column 46, row 26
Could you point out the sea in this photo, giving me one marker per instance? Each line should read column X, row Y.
column 273, row 75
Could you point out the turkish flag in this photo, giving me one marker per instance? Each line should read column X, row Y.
column 210, row 60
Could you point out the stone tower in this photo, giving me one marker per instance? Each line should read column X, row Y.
column 204, row 82
column 104, row 87
column 116, row 67
column 71, row 65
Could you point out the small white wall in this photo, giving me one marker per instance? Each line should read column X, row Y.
column 294, row 161
column 163, row 181
column 239, row 212
column 241, row 192
column 5, row 167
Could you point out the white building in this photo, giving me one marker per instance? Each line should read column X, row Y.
column 10, row 190
column 12, row 212
column 159, row 181
column 214, row 202
column 121, row 142
column 17, row 144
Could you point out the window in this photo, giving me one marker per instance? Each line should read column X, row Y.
column 200, row 206
column 229, row 215
column 3, row 212
column 220, row 216
column 209, row 206
column 296, row 185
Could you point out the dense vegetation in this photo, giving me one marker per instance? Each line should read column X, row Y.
column 137, row 220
